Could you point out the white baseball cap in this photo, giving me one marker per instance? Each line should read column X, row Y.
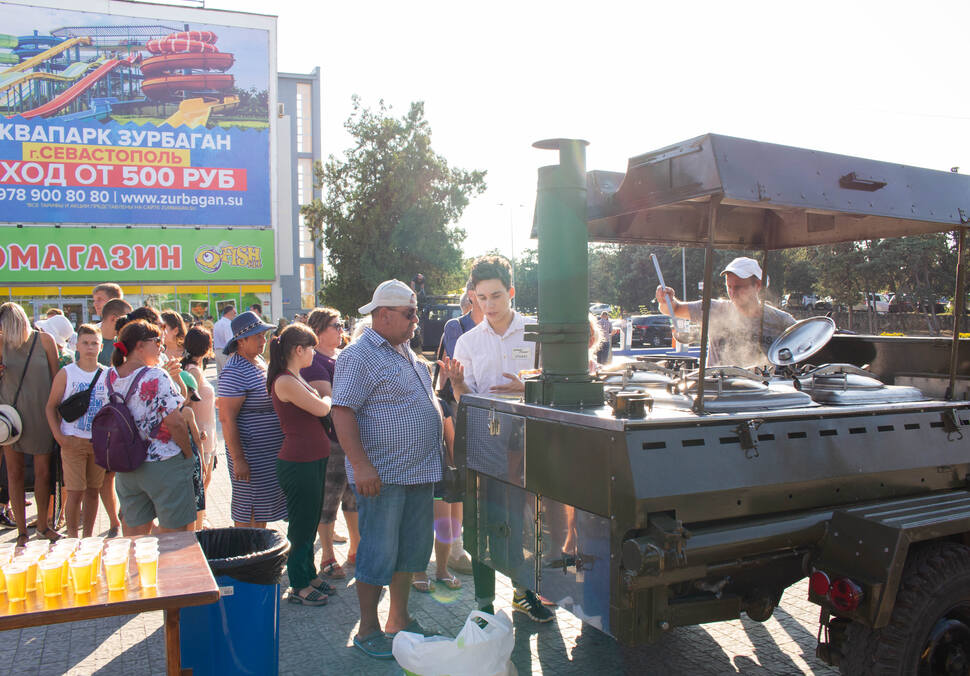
column 59, row 327
column 390, row 293
column 743, row 267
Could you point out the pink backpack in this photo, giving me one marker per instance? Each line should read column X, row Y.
column 118, row 446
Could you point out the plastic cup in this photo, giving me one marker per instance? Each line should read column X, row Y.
column 37, row 547
column 147, row 540
column 50, row 570
column 70, row 544
column 7, row 551
column 15, row 575
column 116, row 570
column 32, row 571
column 147, row 568
column 92, row 540
column 81, row 573
column 119, row 542
column 65, row 571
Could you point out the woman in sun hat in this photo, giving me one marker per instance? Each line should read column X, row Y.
column 250, row 426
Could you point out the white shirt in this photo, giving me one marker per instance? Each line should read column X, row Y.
column 221, row 333
column 486, row 355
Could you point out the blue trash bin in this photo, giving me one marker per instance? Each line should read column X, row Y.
column 239, row 634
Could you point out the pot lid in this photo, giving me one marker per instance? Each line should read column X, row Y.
column 801, row 340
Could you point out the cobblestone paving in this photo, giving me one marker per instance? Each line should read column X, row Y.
column 318, row 641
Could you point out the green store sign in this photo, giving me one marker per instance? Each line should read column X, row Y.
column 140, row 254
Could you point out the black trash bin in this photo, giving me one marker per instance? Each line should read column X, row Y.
column 239, row 634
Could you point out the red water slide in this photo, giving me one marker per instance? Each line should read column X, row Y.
column 68, row 96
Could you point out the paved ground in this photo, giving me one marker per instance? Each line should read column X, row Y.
column 318, row 640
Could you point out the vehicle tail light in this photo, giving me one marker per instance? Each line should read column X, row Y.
column 844, row 594
column 819, row 584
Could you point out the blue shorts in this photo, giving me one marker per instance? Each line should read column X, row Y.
column 396, row 532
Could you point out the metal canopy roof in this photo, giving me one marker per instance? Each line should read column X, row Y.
column 772, row 197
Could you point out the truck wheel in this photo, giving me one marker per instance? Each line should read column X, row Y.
column 929, row 630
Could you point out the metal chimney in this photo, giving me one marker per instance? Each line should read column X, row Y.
column 563, row 329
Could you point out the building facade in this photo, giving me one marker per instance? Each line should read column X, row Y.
column 299, row 278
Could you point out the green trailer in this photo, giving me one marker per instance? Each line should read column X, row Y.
column 653, row 496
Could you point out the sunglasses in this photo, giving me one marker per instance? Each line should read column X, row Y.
column 336, row 325
column 410, row 313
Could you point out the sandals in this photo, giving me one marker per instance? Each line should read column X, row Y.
column 424, row 586
column 332, row 570
column 22, row 539
column 376, row 645
column 451, row 582
column 323, row 586
column 48, row 534
column 312, row 598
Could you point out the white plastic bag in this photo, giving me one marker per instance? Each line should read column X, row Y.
column 478, row 651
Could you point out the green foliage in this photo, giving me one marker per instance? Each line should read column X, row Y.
column 252, row 103
column 526, row 282
column 388, row 208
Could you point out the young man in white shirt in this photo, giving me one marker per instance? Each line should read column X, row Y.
column 487, row 361
column 222, row 334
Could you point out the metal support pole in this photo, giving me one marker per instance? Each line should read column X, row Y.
column 706, row 298
column 958, row 302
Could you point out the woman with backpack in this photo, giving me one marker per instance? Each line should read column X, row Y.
column 161, row 486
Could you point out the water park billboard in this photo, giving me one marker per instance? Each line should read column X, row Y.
column 110, row 118
column 40, row 254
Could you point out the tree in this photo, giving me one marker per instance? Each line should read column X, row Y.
column 389, row 207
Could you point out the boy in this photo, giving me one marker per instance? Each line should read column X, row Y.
column 487, row 361
column 82, row 477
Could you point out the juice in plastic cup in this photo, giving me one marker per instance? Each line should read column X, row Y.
column 15, row 574
column 94, row 553
column 50, row 571
column 65, row 571
column 118, row 542
column 93, row 540
column 147, row 568
column 116, row 570
column 31, row 560
column 39, row 546
column 146, row 540
column 81, row 573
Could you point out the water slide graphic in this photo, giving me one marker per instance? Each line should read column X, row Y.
column 67, row 97
column 16, row 70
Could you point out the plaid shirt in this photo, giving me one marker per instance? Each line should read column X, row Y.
column 398, row 416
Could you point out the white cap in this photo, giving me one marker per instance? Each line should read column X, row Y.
column 391, row 293
column 59, row 327
column 743, row 267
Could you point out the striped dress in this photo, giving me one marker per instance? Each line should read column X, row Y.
column 260, row 498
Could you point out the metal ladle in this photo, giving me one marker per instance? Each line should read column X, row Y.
column 680, row 326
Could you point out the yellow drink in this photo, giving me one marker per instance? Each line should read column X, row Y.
column 81, row 574
column 148, row 570
column 15, row 575
column 66, row 573
column 50, row 571
column 31, row 573
column 116, row 570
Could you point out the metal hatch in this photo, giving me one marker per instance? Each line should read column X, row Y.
column 771, row 197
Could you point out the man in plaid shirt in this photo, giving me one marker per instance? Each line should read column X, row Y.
column 389, row 423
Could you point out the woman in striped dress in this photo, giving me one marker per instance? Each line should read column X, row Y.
column 250, row 426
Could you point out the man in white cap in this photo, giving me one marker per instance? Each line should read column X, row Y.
column 389, row 423
column 742, row 328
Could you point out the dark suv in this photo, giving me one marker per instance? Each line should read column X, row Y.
column 650, row 330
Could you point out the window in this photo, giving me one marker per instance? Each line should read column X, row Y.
column 304, row 181
column 306, row 242
column 304, row 118
column 308, row 292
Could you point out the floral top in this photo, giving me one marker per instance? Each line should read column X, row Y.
column 157, row 396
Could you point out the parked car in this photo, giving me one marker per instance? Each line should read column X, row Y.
column 901, row 303
column 616, row 332
column 650, row 330
column 596, row 309
column 432, row 324
column 877, row 301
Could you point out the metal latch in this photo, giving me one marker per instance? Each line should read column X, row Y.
column 494, row 426
column 748, row 436
column 950, row 425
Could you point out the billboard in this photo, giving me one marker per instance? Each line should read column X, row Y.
column 119, row 119
column 142, row 254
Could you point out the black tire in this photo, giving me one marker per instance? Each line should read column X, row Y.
column 930, row 623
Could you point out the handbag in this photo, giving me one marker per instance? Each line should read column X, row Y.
column 77, row 404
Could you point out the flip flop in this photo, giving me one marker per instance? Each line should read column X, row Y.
column 425, row 586
column 414, row 627
column 451, row 582
column 332, row 570
column 313, row 598
column 376, row 645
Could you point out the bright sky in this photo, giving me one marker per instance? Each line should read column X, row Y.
column 879, row 79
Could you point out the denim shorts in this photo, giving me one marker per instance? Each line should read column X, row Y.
column 396, row 532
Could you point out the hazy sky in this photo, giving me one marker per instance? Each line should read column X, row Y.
column 885, row 80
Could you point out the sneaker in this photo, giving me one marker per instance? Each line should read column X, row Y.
column 529, row 604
